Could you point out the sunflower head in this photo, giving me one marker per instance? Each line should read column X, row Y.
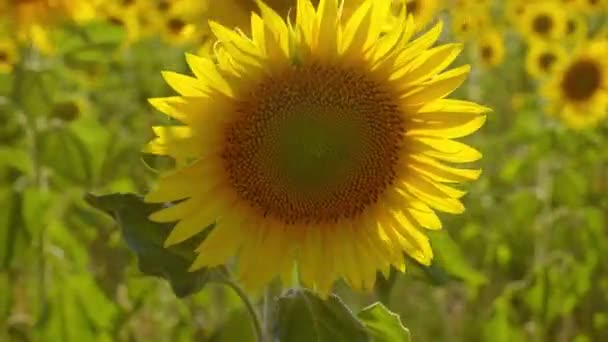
column 542, row 58
column 545, row 20
column 322, row 143
column 491, row 48
column 579, row 89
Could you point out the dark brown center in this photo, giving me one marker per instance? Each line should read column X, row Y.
column 175, row 25
column 487, row 52
column 546, row 61
column 313, row 144
column 542, row 24
column 570, row 26
column 581, row 80
column 412, row 7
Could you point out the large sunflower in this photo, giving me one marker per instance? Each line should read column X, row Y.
column 323, row 142
column 579, row 88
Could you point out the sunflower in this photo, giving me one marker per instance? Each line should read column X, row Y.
column 468, row 23
column 542, row 58
column 8, row 55
column 594, row 7
column 579, row 88
column 491, row 48
column 32, row 20
column 545, row 20
column 322, row 142
column 514, row 11
column 423, row 11
column 576, row 28
column 125, row 14
column 237, row 13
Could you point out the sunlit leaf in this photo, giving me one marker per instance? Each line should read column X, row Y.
column 383, row 325
column 303, row 317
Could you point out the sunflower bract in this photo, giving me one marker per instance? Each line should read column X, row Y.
column 325, row 144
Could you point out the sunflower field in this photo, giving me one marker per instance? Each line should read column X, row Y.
column 304, row 170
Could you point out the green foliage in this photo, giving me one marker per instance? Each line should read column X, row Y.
column 383, row 325
column 302, row 316
column 146, row 239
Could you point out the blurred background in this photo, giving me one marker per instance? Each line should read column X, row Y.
column 526, row 262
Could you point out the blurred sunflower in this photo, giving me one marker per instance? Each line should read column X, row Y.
column 8, row 55
column 31, row 20
column 514, row 11
column 544, row 20
column 491, row 48
column 542, row 58
column 594, row 7
column 576, row 28
column 125, row 14
column 179, row 21
column 466, row 24
column 578, row 90
column 423, row 11
column 322, row 142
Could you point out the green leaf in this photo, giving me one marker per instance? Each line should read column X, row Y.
column 302, row 316
column 383, row 325
column 15, row 158
column 235, row 328
column 66, row 154
column 146, row 238
column 91, row 43
column 448, row 257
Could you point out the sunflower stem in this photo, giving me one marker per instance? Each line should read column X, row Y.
column 255, row 320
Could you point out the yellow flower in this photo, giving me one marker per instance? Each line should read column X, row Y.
column 544, row 20
column 579, row 89
column 324, row 142
column 514, row 11
column 468, row 23
column 491, row 48
column 423, row 11
column 542, row 58
column 576, row 28
column 594, row 7
column 125, row 14
column 31, row 20
column 8, row 55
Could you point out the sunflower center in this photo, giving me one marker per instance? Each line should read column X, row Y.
column 581, row 80
column 3, row 57
column 487, row 52
column 163, row 6
column 546, row 60
column 570, row 26
column 412, row 7
column 314, row 144
column 175, row 25
column 542, row 24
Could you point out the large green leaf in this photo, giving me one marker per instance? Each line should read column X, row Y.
column 383, row 325
column 302, row 316
column 146, row 239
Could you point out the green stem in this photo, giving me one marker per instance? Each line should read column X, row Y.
column 255, row 320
